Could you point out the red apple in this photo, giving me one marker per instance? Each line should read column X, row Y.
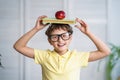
column 60, row 14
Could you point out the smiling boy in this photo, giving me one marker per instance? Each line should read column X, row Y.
column 61, row 63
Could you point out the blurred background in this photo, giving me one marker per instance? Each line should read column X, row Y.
column 19, row 16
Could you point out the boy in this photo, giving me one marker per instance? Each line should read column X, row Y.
column 61, row 63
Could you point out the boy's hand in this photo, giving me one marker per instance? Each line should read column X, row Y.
column 82, row 27
column 39, row 24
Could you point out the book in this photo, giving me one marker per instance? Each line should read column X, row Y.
column 60, row 21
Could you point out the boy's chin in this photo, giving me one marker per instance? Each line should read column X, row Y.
column 62, row 50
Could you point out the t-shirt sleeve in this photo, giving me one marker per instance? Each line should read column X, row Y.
column 84, row 56
column 39, row 56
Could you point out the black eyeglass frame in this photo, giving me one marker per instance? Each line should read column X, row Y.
column 60, row 36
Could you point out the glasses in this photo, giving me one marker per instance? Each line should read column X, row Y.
column 63, row 36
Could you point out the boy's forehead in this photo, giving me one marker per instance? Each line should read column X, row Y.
column 58, row 31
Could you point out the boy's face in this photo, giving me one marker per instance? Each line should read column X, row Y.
column 60, row 40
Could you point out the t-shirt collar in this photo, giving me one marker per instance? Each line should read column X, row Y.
column 63, row 56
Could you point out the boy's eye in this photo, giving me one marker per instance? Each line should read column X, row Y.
column 64, row 35
column 53, row 37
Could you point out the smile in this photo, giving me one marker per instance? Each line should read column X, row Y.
column 61, row 45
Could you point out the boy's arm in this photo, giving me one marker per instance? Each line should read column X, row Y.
column 102, row 49
column 21, row 44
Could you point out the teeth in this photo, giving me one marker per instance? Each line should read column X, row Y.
column 60, row 45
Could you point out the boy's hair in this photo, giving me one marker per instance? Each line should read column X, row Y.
column 55, row 26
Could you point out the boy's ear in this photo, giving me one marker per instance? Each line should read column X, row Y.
column 70, row 37
column 49, row 41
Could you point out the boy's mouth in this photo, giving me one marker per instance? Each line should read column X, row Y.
column 61, row 44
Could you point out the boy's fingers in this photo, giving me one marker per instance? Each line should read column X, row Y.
column 81, row 22
column 41, row 17
column 77, row 25
column 47, row 24
column 77, row 19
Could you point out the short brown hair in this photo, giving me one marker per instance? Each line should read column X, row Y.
column 55, row 26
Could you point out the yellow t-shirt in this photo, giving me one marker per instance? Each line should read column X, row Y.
column 61, row 67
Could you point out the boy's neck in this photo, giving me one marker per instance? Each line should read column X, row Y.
column 61, row 52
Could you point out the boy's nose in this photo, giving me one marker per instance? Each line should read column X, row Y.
column 60, row 39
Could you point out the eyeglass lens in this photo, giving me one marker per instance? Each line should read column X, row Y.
column 64, row 36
